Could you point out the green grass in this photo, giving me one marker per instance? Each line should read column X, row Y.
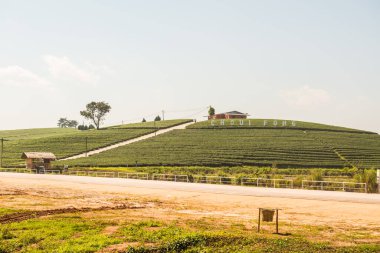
column 154, row 124
column 345, row 174
column 305, row 145
column 35, row 133
column 65, row 144
column 72, row 233
column 269, row 124
column 361, row 150
column 65, row 234
column 237, row 147
column 5, row 211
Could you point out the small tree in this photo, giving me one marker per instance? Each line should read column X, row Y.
column 62, row 122
column 211, row 111
column 96, row 112
column 157, row 118
column 144, row 120
column 72, row 123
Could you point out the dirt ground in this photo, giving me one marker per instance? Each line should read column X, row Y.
column 33, row 194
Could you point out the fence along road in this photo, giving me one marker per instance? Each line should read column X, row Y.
column 255, row 182
column 204, row 188
column 144, row 137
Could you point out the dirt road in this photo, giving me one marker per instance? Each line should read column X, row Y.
column 203, row 188
column 298, row 206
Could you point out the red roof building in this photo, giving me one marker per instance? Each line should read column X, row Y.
column 229, row 115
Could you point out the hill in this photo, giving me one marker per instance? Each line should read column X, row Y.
column 262, row 143
column 64, row 142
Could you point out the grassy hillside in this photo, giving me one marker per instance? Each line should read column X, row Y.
column 35, row 133
column 62, row 142
column 269, row 124
column 290, row 144
column 153, row 124
column 65, row 142
column 360, row 150
column 231, row 147
column 296, row 144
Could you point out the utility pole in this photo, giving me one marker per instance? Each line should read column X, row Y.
column 86, row 146
column 163, row 115
column 2, row 150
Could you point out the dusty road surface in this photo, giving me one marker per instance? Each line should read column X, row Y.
column 199, row 200
column 144, row 137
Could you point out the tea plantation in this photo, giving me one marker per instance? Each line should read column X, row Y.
column 301, row 145
column 65, row 142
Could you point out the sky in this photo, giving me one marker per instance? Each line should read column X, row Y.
column 305, row 60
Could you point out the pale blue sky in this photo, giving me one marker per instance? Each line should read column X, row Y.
column 304, row 60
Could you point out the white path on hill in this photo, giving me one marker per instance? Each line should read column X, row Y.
column 144, row 137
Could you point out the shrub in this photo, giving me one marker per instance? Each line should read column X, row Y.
column 6, row 234
column 316, row 175
column 369, row 177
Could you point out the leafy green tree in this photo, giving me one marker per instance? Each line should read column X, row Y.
column 62, row 122
column 144, row 120
column 72, row 123
column 211, row 111
column 96, row 111
column 157, row 118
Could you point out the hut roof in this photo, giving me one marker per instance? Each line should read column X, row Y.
column 38, row 155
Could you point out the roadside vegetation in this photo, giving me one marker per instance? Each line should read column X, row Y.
column 348, row 175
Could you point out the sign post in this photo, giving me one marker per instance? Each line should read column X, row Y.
column 267, row 215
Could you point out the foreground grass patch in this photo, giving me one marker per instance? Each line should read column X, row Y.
column 5, row 211
column 64, row 234
column 73, row 233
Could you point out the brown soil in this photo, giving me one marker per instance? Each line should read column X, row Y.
column 20, row 216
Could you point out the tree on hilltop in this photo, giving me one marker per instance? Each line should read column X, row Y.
column 157, row 118
column 64, row 122
column 211, row 111
column 73, row 123
column 144, row 120
column 96, row 111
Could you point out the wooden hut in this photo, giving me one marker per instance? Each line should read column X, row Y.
column 36, row 160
